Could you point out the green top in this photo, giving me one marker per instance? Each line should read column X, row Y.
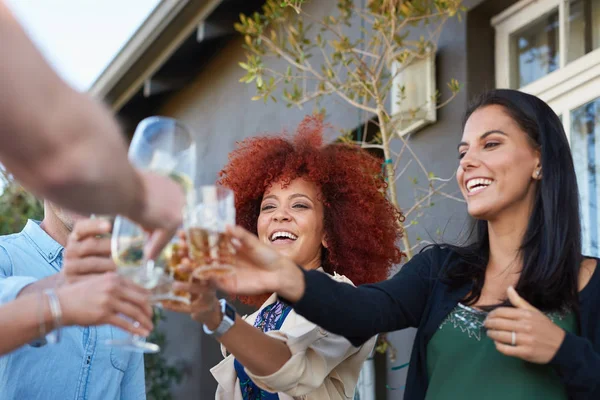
column 463, row 363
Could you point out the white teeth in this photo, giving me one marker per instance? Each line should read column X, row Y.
column 475, row 185
column 283, row 234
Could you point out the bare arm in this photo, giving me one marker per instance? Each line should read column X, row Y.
column 98, row 300
column 56, row 141
column 20, row 321
column 68, row 148
column 296, row 361
column 255, row 350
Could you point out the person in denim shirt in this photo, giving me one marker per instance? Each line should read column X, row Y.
column 80, row 366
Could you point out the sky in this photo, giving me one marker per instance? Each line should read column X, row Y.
column 80, row 37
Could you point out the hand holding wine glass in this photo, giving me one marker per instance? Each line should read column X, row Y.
column 260, row 269
column 87, row 252
column 202, row 303
column 106, row 299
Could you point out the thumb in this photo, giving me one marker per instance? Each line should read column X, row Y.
column 242, row 236
column 518, row 301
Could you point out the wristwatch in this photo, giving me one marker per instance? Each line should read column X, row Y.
column 227, row 322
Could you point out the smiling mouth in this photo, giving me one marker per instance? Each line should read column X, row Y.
column 282, row 237
column 477, row 185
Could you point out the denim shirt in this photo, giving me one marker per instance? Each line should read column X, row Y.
column 81, row 366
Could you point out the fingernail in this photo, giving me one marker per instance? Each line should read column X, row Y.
column 105, row 225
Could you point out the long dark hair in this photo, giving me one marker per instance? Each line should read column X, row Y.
column 551, row 247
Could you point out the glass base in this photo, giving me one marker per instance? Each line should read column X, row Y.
column 136, row 346
column 173, row 303
column 156, row 300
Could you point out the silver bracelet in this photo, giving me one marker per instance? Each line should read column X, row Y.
column 41, row 340
column 56, row 315
column 41, row 318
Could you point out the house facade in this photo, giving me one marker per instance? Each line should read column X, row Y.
column 183, row 63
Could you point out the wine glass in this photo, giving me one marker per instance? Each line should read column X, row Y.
column 165, row 146
column 210, row 210
column 127, row 250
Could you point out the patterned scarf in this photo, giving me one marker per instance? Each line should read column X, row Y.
column 269, row 319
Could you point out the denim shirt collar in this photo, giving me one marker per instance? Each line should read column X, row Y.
column 49, row 248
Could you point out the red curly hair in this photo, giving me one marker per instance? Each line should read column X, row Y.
column 361, row 225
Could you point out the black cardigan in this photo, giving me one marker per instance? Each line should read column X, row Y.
column 417, row 297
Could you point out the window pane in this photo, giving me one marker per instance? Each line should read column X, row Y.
column 534, row 50
column 585, row 145
column 584, row 28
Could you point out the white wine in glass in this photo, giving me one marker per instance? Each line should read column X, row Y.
column 127, row 251
column 210, row 210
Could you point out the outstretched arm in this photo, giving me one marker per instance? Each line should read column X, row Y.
column 356, row 313
column 295, row 361
column 66, row 147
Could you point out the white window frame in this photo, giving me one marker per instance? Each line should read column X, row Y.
column 564, row 104
column 565, row 89
column 568, row 77
column 568, row 102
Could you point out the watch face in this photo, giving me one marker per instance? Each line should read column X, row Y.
column 229, row 312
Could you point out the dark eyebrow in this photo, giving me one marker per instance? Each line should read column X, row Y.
column 488, row 133
column 294, row 196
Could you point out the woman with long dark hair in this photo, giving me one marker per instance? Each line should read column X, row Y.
column 510, row 316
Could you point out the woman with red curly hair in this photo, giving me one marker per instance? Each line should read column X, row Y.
column 324, row 207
